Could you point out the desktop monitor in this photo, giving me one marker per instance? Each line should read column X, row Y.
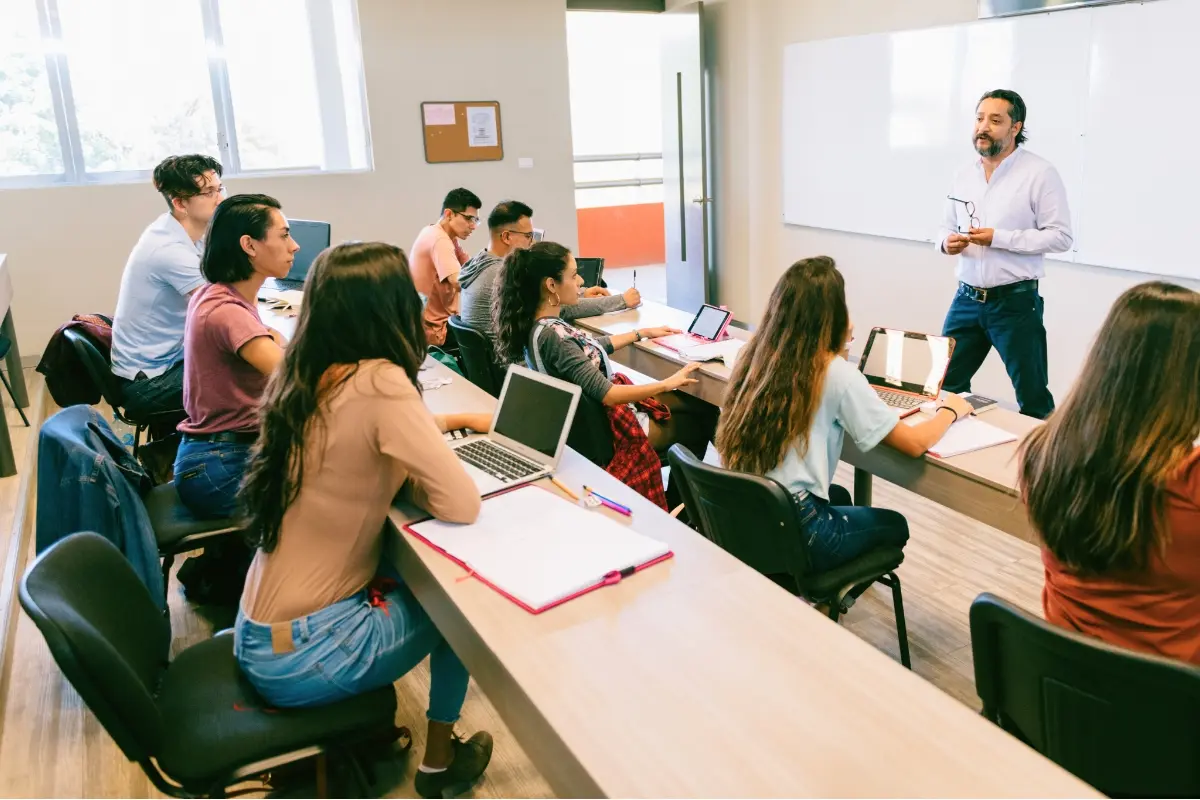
column 591, row 270
column 313, row 237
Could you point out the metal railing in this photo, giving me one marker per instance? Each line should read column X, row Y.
column 614, row 184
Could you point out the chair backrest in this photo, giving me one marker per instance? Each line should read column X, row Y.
column 97, row 366
column 478, row 357
column 1125, row 722
column 105, row 634
column 591, row 432
column 753, row 519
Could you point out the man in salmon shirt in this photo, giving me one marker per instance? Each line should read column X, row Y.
column 436, row 256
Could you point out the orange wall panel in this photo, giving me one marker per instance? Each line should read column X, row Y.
column 624, row 236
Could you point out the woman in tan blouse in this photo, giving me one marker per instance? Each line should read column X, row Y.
column 343, row 429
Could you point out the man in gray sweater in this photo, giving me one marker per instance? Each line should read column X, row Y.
column 511, row 227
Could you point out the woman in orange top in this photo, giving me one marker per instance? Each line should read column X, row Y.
column 1112, row 481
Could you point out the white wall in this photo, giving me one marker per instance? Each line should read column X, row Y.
column 67, row 246
column 889, row 282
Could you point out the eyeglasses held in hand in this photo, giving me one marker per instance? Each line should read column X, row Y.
column 971, row 218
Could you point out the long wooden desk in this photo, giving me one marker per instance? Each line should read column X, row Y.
column 700, row 678
column 982, row 485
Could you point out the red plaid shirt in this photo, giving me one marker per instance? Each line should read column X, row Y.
column 634, row 462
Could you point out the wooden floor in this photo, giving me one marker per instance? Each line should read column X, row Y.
column 51, row 746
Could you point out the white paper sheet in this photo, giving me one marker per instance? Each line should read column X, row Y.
column 481, row 126
column 968, row 435
column 568, row 548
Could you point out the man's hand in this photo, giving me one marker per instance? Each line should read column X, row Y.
column 596, row 291
column 955, row 243
column 981, row 236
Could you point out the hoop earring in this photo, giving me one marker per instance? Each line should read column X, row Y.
column 556, row 302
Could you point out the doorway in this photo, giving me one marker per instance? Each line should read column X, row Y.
column 617, row 130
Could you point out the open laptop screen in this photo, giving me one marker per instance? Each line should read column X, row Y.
column 313, row 237
column 911, row 362
column 533, row 413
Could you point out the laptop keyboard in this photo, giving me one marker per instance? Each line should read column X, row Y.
column 496, row 461
column 898, row 400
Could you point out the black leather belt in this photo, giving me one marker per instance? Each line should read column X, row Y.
column 224, row 437
column 995, row 292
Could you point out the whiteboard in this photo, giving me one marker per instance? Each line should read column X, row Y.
column 1140, row 202
column 875, row 127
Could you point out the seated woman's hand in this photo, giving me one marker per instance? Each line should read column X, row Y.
column 655, row 333
column 596, row 291
column 682, row 378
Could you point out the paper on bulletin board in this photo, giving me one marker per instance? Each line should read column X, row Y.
column 439, row 114
column 481, row 126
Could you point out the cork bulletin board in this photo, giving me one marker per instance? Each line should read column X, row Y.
column 462, row 131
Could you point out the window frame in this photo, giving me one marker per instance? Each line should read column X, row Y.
column 330, row 101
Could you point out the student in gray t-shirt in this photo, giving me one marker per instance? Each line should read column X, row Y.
column 511, row 227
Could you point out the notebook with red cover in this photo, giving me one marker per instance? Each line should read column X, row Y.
column 539, row 549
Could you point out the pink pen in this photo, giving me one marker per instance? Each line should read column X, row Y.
column 615, row 506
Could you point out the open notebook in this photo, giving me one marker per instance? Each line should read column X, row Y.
column 968, row 435
column 540, row 550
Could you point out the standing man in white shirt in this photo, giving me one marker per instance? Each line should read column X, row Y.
column 162, row 271
column 1004, row 213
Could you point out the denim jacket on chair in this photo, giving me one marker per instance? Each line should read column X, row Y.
column 87, row 481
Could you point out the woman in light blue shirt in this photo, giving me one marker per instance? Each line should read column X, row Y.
column 793, row 397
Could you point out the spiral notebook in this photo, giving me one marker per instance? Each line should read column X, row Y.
column 540, row 550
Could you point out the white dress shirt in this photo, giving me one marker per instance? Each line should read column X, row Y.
column 1026, row 204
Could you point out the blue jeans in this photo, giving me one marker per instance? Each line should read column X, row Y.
column 368, row 640
column 1013, row 325
column 207, row 476
column 158, row 395
column 837, row 531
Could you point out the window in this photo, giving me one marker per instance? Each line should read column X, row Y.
column 102, row 90
column 28, row 133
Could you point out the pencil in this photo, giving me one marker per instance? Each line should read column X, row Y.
column 563, row 486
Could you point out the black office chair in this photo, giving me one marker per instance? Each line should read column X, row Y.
column 176, row 530
column 591, row 433
column 755, row 520
column 100, row 370
column 5, row 346
column 1125, row 722
column 194, row 725
column 477, row 356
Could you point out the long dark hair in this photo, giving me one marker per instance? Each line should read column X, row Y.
column 359, row 304
column 519, row 293
column 1094, row 477
column 776, row 386
column 224, row 260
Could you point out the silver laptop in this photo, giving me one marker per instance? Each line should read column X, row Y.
column 528, row 434
column 906, row 369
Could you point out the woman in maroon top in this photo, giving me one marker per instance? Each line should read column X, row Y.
column 1112, row 481
column 228, row 351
